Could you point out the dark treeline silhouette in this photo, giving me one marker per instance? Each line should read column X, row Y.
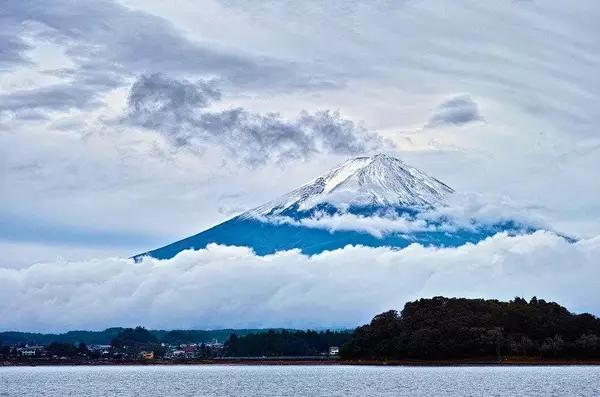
column 73, row 337
column 69, row 350
column 105, row 337
column 133, row 337
column 453, row 328
column 284, row 343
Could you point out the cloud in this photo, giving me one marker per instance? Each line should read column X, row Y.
column 108, row 43
column 176, row 108
column 460, row 211
column 457, row 110
column 465, row 210
column 157, row 101
column 378, row 226
column 23, row 103
column 231, row 287
column 12, row 49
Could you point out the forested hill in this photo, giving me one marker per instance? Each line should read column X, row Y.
column 451, row 328
column 105, row 337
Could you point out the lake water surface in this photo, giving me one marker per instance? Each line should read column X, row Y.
column 233, row 380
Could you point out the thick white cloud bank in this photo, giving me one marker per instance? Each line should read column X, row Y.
column 232, row 287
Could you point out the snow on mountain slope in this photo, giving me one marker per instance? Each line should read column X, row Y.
column 379, row 180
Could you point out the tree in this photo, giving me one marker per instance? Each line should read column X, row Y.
column 284, row 343
column 231, row 345
column 4, row 350
column 83, row 349
column 133, row 337
column 449, row 328
column 63, row 349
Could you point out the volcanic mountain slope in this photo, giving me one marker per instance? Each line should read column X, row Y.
column 377, row 182
column 344, row 207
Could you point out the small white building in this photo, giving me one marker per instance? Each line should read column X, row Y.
column 178, row 354
column 30, row 351
column 334, row 350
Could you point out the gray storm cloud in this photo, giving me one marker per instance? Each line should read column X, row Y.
column 232, row 287
column 156, row 101
column 108, row 42
column 458, row 110
column 177, row 109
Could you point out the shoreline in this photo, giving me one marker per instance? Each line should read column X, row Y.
column 299, row 361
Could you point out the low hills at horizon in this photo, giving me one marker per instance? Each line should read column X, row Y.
column 437, row 328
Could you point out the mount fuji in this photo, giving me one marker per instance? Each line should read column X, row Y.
column 371, row 201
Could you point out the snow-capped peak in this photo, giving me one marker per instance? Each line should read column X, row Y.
column 380, row 180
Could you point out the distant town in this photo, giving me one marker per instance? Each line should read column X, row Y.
column 139, row 345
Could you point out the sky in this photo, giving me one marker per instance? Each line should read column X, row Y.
column 126, row 125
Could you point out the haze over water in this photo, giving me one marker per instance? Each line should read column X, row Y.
column 225, row 380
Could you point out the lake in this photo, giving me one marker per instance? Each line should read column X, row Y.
column 232, row 380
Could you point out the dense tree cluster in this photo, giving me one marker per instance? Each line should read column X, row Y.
column 68, row 350
column 284, row 343
column 133, row 337
column 4, row 350
column 450, row 328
